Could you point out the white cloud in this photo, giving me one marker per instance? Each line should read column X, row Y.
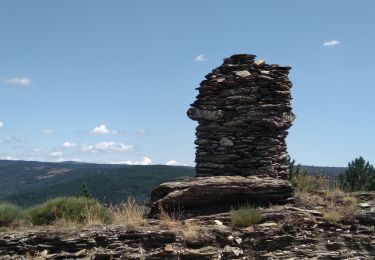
column 56, row 154
column 8, row 157
column 68, row 144
column 172, row 162
column 1, row 124
column 103, row 130
column 331, row 43
column 19, row 81
column 106, row 147
column 48, row 131
column 200, row 58
column 145, row 161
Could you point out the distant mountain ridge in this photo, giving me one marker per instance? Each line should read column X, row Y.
column 30, row 182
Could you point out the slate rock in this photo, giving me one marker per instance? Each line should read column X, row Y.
column 218, row 194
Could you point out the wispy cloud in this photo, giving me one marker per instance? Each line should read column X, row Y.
column 48, row 131
column 11, row 139
column 141, row 131
column 68, row 144
column 106, row 147
column 19, row 81
column 331, row 43
column 56, row 154
column 1, row 124
column 145, row 161
column 103, row 130
column 200, row 58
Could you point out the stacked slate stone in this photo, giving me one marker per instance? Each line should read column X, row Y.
column 243, row 111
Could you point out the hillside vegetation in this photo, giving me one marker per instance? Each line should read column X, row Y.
column 28, row 183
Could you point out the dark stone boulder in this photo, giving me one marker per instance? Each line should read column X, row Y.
column 203, row 195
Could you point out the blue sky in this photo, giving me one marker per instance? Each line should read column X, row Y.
column 110, row 81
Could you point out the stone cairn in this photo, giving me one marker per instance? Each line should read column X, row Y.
column 243, row 111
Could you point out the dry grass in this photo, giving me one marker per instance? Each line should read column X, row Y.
column 38, row 256
column 340, row 205
column 129, row 213
column 189, row 230
column 326, row 193
column 308, row 200
column 64, row 223
column 335, row 215
column 338, row 197
column 169, row 221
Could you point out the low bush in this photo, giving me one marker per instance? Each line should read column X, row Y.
column 245, row 216
column 10, row 215
column 79, row 210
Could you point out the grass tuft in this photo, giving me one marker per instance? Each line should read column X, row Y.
column 245, row 216
column 129, row 213
column 189, row 230
column 339, row 205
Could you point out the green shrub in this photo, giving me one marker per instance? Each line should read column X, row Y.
column 79, row 210
column 10, row 214
column 245, row 216
column 305, row 183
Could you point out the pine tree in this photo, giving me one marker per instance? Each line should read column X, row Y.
column 84, row 191
column 359, row 176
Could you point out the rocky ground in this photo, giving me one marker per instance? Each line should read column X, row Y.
column 292, row 231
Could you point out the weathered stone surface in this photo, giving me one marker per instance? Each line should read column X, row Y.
column 225, row 141
column 201, row 114
column 285, row 232
column 242, row 73
column 218, row 194
column 366, row 214
column 237, row 101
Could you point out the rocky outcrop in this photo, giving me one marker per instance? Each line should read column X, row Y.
column 218, row 194
column 243, row 111
column 285, row 232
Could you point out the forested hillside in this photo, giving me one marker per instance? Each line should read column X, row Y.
column 27, row 183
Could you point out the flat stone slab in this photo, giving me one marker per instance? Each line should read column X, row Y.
column 217, row 194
